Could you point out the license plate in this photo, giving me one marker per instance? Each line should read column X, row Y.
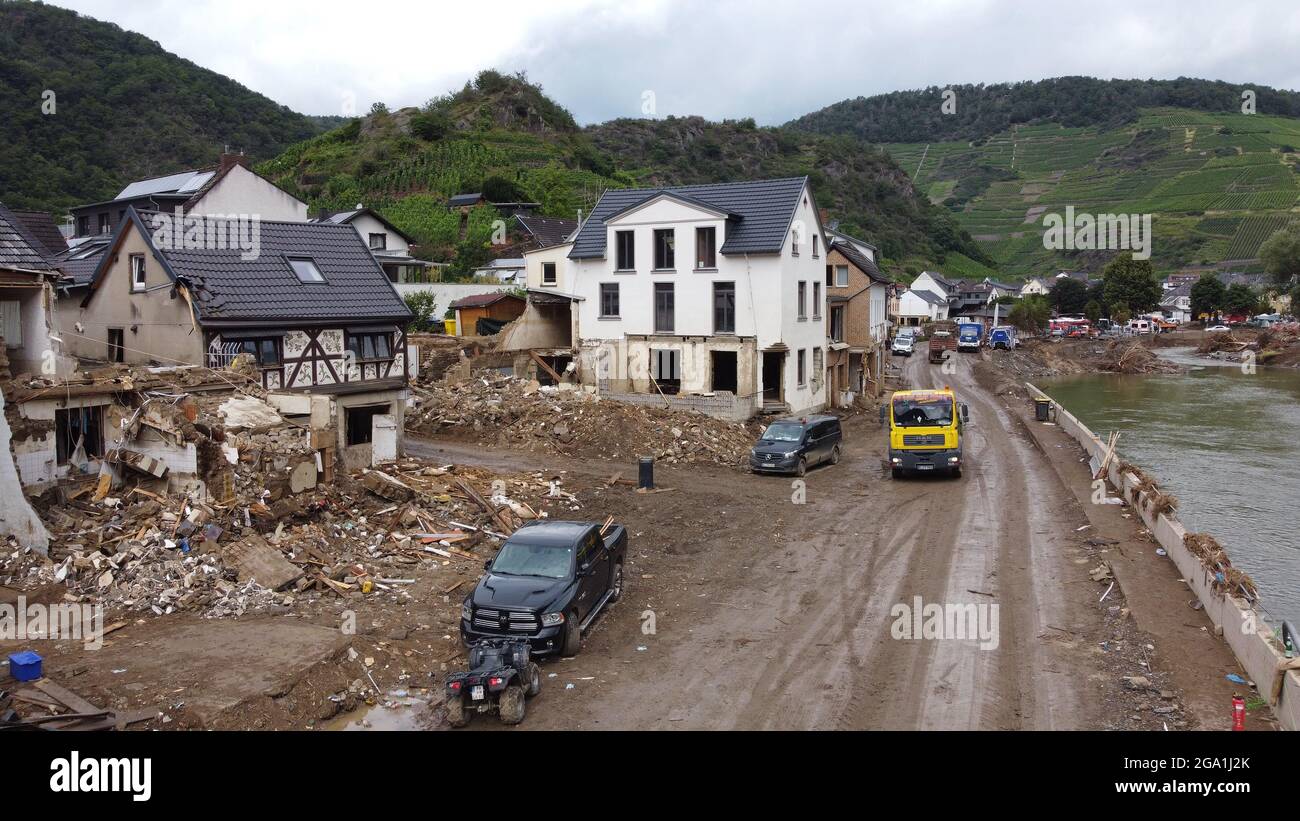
column 925, row 467
column 476, row 693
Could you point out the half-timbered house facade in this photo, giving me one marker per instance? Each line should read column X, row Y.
column 307, row 302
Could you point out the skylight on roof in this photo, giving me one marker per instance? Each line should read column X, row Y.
column 306, row 270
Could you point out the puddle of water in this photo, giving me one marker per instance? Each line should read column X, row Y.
column 395, row 712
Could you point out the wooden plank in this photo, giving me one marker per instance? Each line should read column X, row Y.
column 549, row 370
column 65, row 696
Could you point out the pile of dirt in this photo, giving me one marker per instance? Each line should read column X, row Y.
column 569, row 420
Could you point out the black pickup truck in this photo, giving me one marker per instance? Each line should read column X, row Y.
column 547, row 584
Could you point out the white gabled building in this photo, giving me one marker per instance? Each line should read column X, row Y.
column 936, row 284
column 919, row 307
column 712, row 293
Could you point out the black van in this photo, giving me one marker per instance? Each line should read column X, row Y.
column 794, row 445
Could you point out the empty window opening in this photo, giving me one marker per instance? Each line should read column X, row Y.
column 116, row 345
column 724, row 371
column 360, row 423
column 666, row 370
column 75, row 427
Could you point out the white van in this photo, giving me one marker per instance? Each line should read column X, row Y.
column 1139, row 326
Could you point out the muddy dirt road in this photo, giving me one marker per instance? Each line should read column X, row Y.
column 767, row 613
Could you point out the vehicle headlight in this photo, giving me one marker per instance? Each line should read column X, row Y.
column 466, row 611
column 552, row 619
column 790, row 453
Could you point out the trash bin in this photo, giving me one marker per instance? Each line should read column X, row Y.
column 25, row 666
column 646, row 473
column 449, row 326
column 1042, row 409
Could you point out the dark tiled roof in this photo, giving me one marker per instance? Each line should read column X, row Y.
column 80, row 263
column 479, row 300
column 18, row 247
column 464, row 199
column 547, row 231
column 42, row 226
column 228, row 288
column 930, row 297
column 853, row 255
column 765, row 209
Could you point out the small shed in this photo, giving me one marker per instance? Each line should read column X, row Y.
column 485, row 314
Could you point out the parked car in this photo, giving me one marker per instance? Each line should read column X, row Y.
column 1217, row 328
column 794, row 445
column 547, row 584
column 903, row 345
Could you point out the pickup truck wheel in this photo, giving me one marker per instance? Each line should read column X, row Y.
column 835, row 455
column 456, row 715
column 801, row 468
column 572, row 635
column 512, row 706
column 618, row 583
column 534, row 678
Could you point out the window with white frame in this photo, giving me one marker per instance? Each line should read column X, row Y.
column 137, row 272
column 548, row 273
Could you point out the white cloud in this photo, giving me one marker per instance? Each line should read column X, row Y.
column 762, row 58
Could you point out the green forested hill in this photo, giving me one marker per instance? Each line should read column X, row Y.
column 123, row 109
column 502, row 135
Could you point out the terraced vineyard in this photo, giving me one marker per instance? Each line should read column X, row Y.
column 1217, row 185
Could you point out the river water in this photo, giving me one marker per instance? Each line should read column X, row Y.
column 1226, row 443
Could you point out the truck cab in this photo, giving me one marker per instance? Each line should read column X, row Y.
column 969, row 336
column 1003, row 336
column 546, row 585
column 925, row 431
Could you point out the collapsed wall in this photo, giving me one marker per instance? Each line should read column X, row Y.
column 1242, row 625
column 17, row 518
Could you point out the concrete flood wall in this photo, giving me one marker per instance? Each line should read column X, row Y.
column 1256, row 650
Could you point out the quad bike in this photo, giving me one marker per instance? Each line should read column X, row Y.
column 500, row 677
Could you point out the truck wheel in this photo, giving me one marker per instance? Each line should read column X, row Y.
column 456, row 714
column 572, row 635
column 802, row 467
column 956, row 473
column 512, row 705
column 533, row 675
column 835, row 455
column 896, row 473
column 618, row 583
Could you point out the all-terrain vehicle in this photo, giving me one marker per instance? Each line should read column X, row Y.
column 500, row 678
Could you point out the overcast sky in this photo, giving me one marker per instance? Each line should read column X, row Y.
column 719, row 58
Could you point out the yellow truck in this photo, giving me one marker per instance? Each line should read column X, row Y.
column 925, row 431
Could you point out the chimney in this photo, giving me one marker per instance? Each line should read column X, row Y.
column 229, row 160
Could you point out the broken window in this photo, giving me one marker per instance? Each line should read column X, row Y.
column 369, row 346
column 265, row 351
column 78, row 427
column 116, row 345
column 665, row 369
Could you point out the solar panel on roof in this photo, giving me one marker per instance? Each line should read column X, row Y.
column 160, row 185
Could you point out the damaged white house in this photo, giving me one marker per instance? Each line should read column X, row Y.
column 701, row 296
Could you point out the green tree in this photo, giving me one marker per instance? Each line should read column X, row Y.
column 1120, row 313
column 1030, row 314
column 1068, row 296
column 1207, row 296
column 1280, row 254
column 423, row 305
column 1240, row 298
column 1132, row 283
column 1092, row 310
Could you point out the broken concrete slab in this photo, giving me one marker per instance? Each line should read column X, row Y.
column 386, row 486
column 258, row 561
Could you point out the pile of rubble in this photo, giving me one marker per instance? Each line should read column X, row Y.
column 566, row 419
column 1122, row 356
column 268, row 547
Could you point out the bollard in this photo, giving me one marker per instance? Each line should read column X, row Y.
column 646, row 473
